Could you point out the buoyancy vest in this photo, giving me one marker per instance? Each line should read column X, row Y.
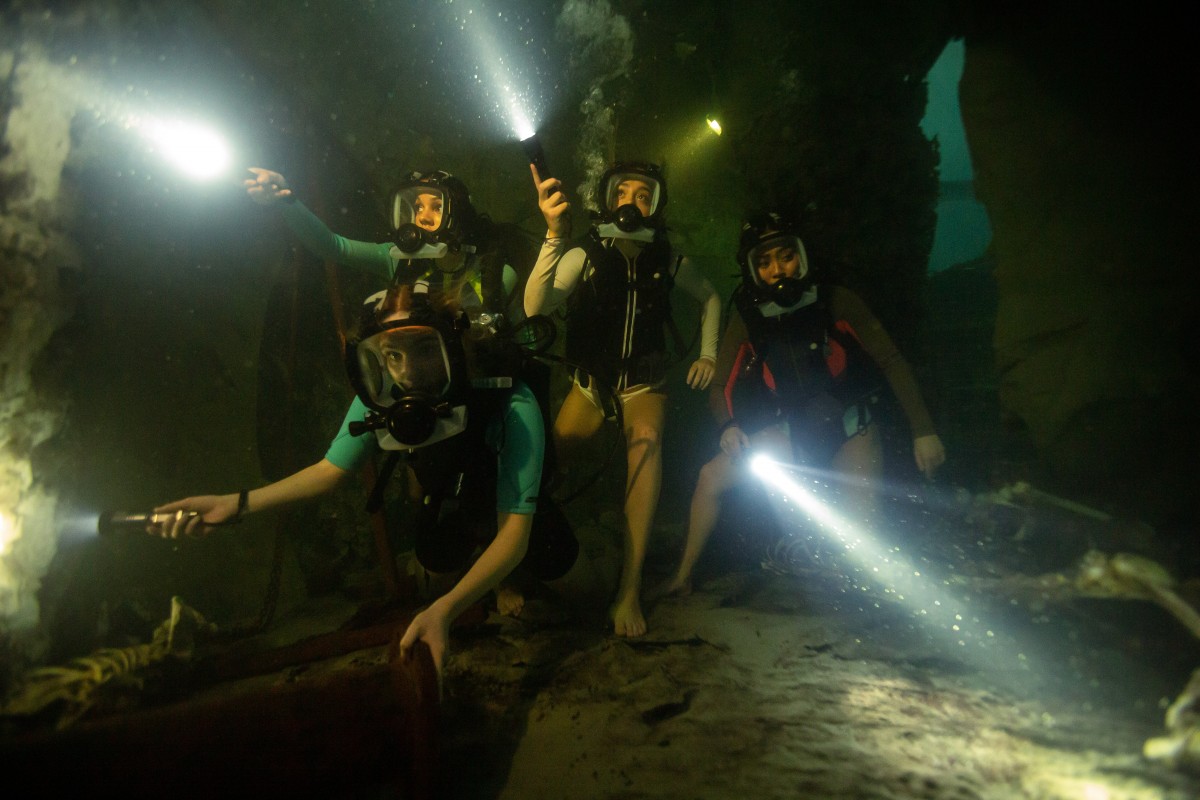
column 618, row 317
column 794, row 359
column 457, row 512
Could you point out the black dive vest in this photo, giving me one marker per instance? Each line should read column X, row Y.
column 458, row 511
column 808, row 355
column 617, row 318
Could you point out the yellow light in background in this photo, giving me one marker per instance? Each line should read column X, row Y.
column 8, row 532
column 714, row 126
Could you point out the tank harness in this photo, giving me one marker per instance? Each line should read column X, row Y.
column 806, row 368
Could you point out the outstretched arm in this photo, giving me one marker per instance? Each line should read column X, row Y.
column 267, row 187
column 215, row 509
column 270, row 188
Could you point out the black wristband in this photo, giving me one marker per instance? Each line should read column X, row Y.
column 243, row 502
column 729, row 423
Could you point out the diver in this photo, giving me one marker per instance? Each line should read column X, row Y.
column 439, row 238
column 801, row 365
column 617, row 285
column 474, row 440
column 440, row 241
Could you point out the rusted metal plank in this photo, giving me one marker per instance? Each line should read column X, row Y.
column 230, row 665
column 354, row 728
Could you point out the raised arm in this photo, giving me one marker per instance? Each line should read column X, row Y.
column 555, row 275
column 558, row 267
column 270, row 188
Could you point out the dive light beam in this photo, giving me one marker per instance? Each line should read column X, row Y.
column 485, row 42
column 899, row 579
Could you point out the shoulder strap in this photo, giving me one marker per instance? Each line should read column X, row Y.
column 375, row 501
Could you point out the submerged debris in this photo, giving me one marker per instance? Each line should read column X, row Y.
column 76, row 684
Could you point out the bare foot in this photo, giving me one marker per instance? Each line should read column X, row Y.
column 509, row 600
column 627, row 617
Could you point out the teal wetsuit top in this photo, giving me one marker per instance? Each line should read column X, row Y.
column 381, row 258
column 517, row 436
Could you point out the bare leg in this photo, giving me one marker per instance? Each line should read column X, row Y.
column 715, row 478
column 644, row 417
column 577, row 421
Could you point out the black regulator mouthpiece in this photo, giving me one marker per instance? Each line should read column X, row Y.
column 533, row 150
column 115, row 523
column 411, row 420
column 629, row 218
column 409, row 238
column 788, row 292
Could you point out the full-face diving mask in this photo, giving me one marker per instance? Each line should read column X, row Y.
column 620, row 217
column 759, row 236
column 411, row 375
column 431, row 216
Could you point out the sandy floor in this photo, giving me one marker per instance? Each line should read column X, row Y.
column 763, row 685
column 794, row 675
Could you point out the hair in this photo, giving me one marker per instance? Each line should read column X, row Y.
column 404, row 297
column 399, row 297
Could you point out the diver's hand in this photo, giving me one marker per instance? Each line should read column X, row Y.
column 929, row 453
column 701, row 373
column 176, row 519
column 734, row 443
column 553, row 204
column 432, row 627
column 266, row 187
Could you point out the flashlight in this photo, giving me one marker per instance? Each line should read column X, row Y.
column 113, row 523
column 533, row 149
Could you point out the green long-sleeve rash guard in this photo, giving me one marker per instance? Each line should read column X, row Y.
column 380, row 258
column 517, row 436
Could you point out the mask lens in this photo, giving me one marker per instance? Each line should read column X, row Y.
column 770, row 258
column 631, row 188
column 420, row 205
column 404, row 361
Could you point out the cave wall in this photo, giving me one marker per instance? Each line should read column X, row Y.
column 160, row 337
column 1072, row 120
column 40, row 263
